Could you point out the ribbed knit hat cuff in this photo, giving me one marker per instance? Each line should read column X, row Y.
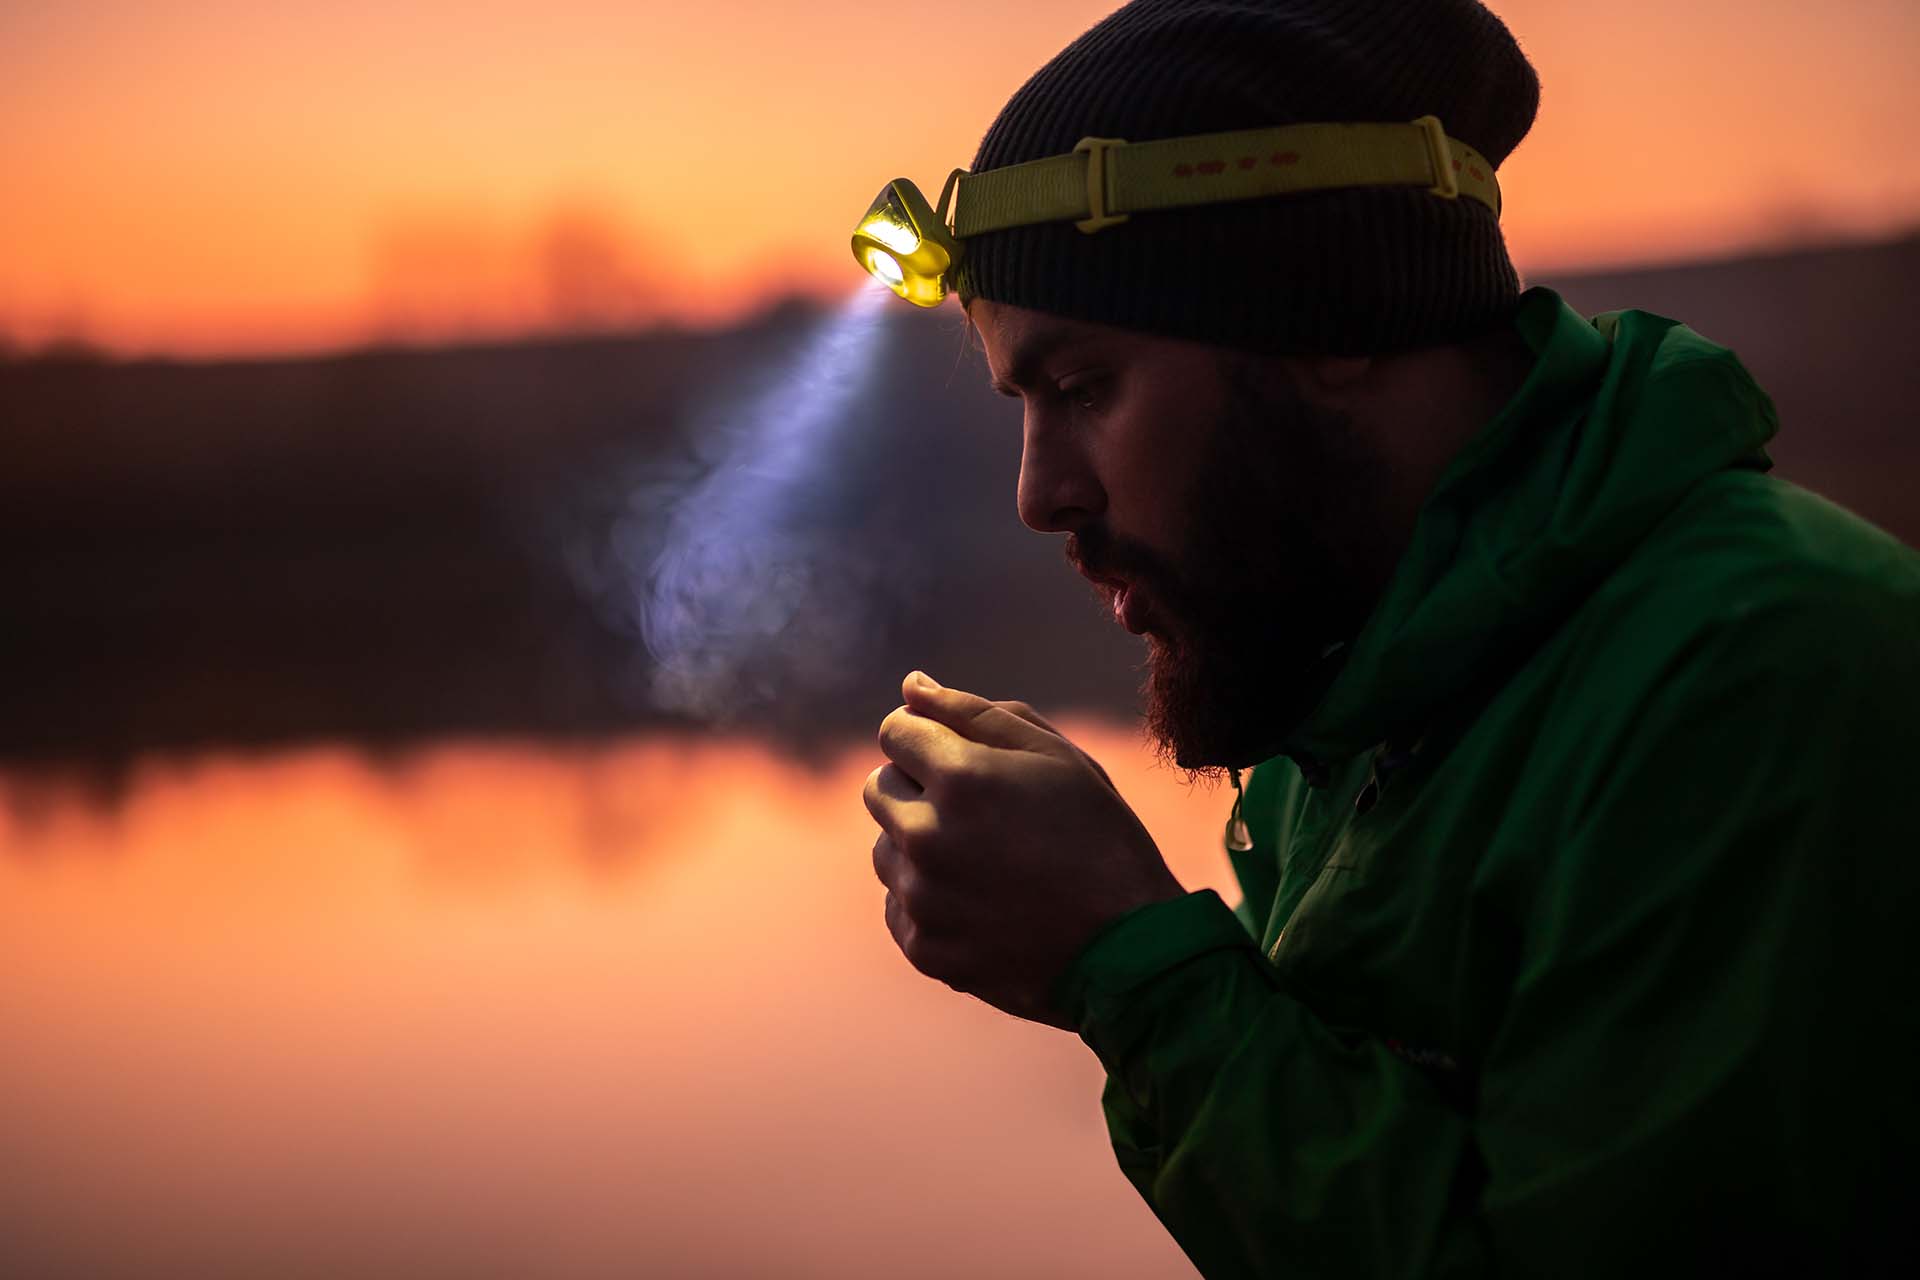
column 1339, row 273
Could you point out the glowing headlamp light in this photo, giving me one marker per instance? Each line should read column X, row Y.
column 904, row 241
column 909, row 245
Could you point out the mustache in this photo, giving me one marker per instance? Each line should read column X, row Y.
column 1094, row 551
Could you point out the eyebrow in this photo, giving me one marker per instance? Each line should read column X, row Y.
column 1024, row 368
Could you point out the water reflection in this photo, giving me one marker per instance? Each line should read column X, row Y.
column 525, row 1010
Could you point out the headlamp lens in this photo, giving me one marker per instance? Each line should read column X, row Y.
column 900, row 239
column 883, row 264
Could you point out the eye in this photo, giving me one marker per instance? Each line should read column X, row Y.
column 1083, row 392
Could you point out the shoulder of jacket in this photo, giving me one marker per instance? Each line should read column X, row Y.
column 1747, row 550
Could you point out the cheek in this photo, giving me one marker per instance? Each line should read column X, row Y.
column 1158, row 480
column 1147, row 504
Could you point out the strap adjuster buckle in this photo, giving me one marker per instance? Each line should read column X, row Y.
column 1098, row 218
column 1446, row 182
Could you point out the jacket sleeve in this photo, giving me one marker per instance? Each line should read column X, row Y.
column 1693, row 1063
column 1264, row 1142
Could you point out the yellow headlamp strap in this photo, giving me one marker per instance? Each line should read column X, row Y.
column 1104, row 179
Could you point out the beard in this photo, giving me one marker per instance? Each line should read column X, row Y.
column 1247, row 613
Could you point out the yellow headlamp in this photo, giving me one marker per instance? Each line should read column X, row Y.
column 911, row 246
column 905, row 242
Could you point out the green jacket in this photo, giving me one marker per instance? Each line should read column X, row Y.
column 1578, row 927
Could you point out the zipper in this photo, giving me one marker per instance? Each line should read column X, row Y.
column 1239, row 839
column 1369, row 793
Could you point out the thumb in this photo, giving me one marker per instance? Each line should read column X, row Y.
column 972, row 716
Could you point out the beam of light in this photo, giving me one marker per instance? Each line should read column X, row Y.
column 740, row 595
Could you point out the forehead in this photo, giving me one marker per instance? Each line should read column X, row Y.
column 1005, row 327
column 1026, row 349
column 1017, row 341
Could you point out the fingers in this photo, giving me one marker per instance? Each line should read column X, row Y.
column 889, row 864
column 894, row 872
column 897, row 921
column 974, row 717
column 1028, row 714
column 893, row 798
column 922, row 749
column 1031, row 716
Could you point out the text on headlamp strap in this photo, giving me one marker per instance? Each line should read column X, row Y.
column 1210, row 168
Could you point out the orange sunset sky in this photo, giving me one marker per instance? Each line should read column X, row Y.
column 202, row 177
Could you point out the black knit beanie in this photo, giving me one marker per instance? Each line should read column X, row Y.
column 1349, row 272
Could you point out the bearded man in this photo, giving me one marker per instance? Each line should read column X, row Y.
column 1575, row 934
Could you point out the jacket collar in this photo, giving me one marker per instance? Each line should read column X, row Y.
column 1547, row 498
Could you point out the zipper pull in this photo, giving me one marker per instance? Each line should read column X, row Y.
column 1239, row 839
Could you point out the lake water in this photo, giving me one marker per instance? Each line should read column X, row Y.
column 516, row 1010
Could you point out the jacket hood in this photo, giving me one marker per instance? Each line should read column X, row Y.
column 1618, row 418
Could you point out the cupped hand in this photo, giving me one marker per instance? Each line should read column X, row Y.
column 1003, row 846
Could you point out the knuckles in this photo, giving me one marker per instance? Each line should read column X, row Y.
column 886, row 859
column 920, row 899
column 890, row 726
column 917, row 835
column 908, row 933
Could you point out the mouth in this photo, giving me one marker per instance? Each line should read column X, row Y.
column 1128, row 600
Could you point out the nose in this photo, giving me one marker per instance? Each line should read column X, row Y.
column 1059, row 490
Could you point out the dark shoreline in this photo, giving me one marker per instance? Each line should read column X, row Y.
column 372, row 547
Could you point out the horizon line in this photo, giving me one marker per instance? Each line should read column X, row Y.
column 77, row 348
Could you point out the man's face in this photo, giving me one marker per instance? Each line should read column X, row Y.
column 1212, row 504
